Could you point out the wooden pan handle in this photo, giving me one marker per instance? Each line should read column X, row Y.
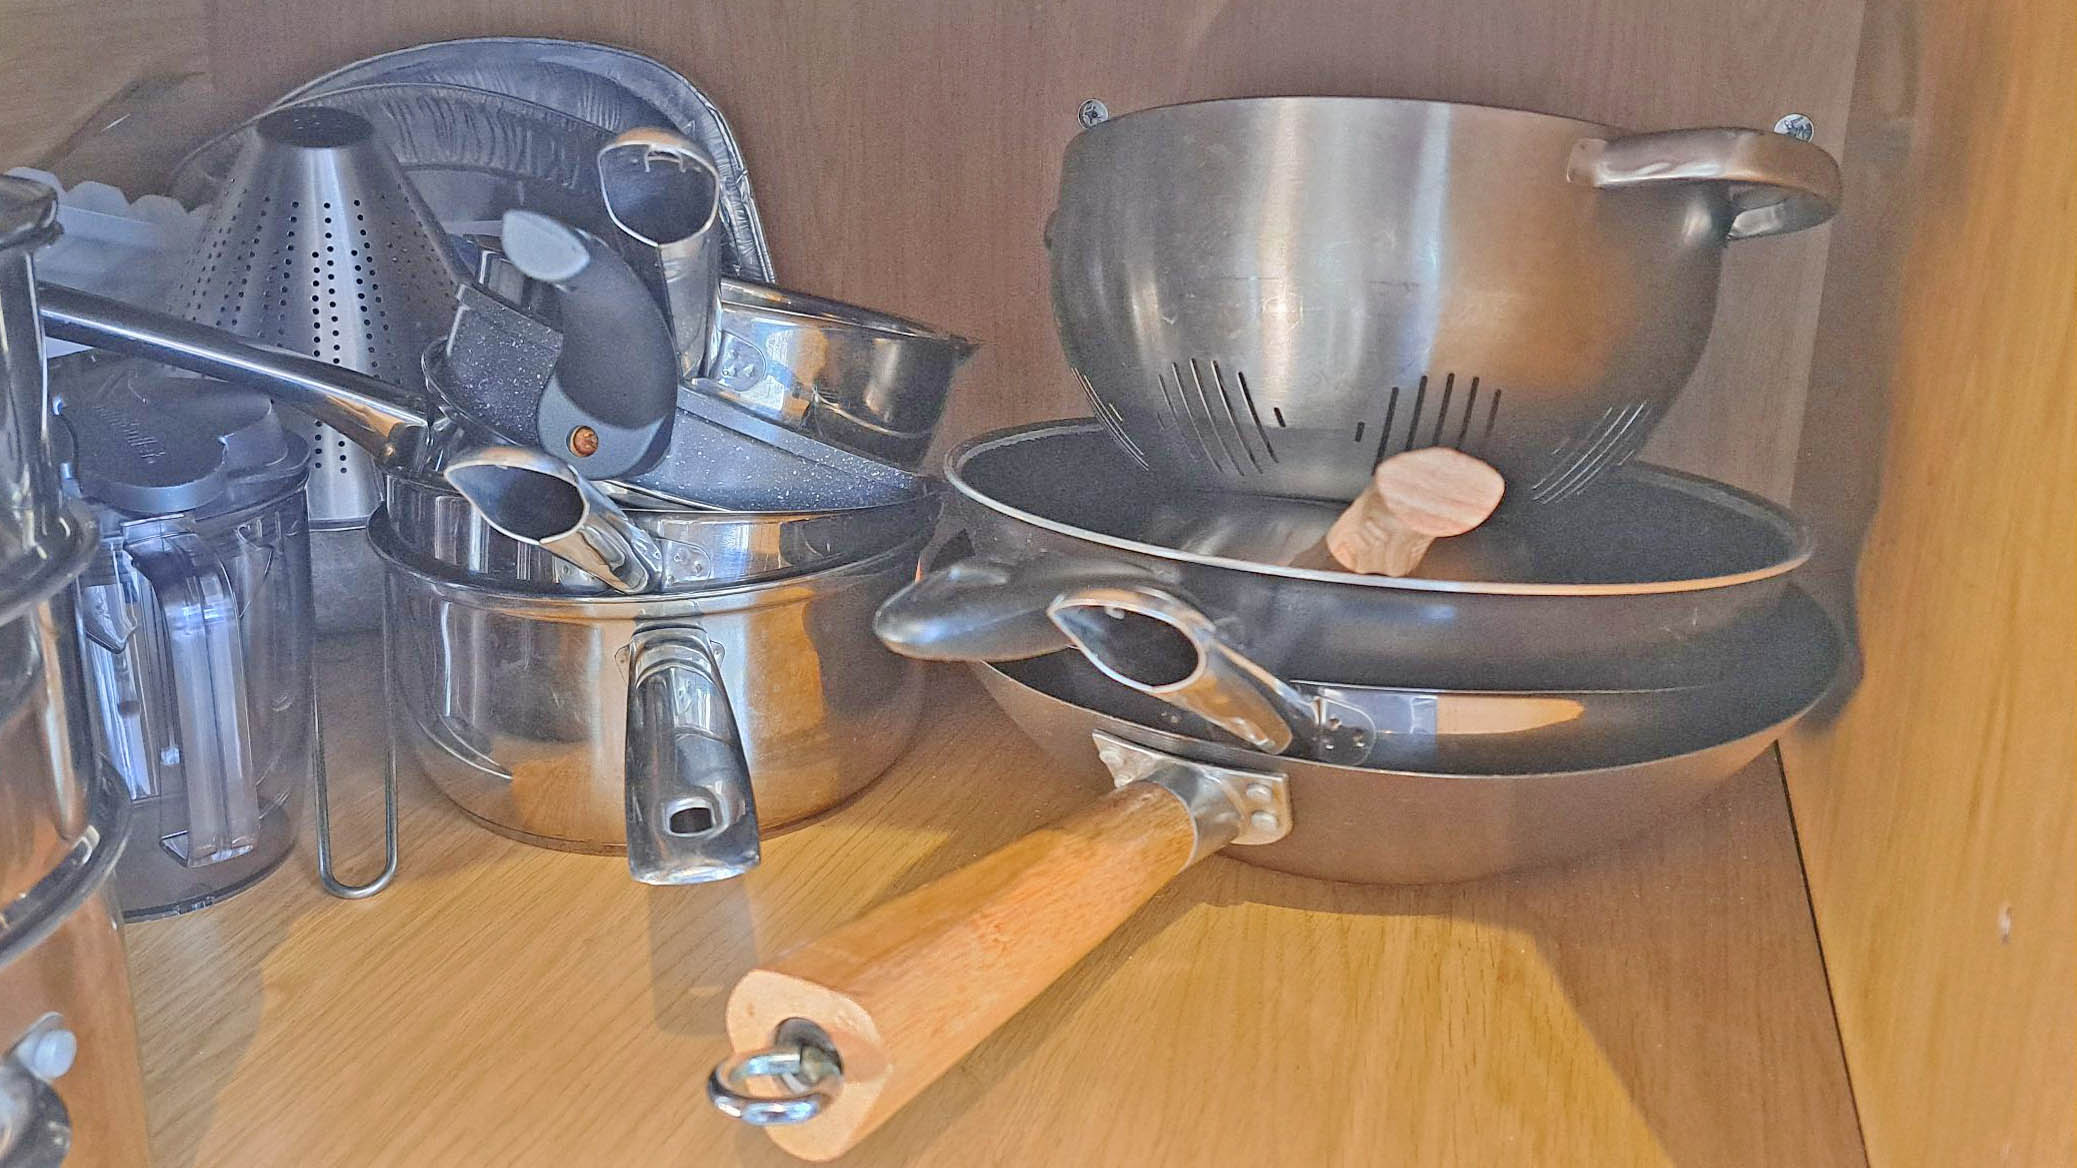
column 906, row 990
column 1413, row 499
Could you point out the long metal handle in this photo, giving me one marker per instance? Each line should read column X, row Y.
column 1780, row 184
column 1161, row 645
column 691, row 814
column 327, row 873
column 362, row 408
column 199, row 610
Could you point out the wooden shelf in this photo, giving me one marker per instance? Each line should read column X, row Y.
column 505, row 1005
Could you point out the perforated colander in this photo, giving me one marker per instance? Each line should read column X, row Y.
column 319, row 244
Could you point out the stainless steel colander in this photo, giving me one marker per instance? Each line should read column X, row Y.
column 1272, row 295
column 319, row 245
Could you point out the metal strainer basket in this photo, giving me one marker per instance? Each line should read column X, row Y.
column 319, row 244
column 1272, row 295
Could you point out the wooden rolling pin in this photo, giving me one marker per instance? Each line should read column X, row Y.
column 1414, row 499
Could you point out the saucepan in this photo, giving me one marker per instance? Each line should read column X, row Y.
column 674, row 725
column 836, row 1036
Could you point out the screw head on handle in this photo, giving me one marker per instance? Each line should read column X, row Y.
column 1093, row 113
column 1797, row 126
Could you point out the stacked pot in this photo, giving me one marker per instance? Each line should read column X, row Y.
column 69, row 1076
column 638, row 505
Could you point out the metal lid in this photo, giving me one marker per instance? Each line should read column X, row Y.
column 28, row 212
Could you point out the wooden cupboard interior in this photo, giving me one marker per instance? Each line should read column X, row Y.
column 1903, row 377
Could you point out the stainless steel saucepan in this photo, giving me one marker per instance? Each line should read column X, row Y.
column 673, row 725
column 835, row 1037
column 1573, row 595
column 1274, row 294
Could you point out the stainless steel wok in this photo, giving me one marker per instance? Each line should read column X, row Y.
column 835, row 1037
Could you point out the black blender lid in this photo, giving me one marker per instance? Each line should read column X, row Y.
column 149, row 441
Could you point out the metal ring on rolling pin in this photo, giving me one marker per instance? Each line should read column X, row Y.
column 801, row 1058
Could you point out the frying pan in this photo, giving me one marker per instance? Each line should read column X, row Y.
column 1646, row 564
column 1153, row 644
column 852, row 1026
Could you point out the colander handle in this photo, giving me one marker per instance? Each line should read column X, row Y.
column 1778, row 184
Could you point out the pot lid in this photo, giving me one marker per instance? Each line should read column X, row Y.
column 28, row 212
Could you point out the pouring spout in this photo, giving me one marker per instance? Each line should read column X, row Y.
column 537, row 498
column 362, row 408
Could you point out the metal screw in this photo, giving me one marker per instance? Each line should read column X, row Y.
column 584, row 442
column 1259, row 793
column 1093, row 113
column 1263, row 821
column 1797, row 126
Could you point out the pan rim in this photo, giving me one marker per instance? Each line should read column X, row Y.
column 1780, row 520
column 1235, row 755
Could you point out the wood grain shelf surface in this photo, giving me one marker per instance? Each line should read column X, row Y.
column 1662, row 1004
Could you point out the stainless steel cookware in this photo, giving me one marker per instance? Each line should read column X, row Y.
column 31, row 502
column 1150, row 642
column 1274, row 294
column 69, row 1075
column 860, row 379
column 757, row 466
column 674, row 725
column 70, row 1085
column 598, row 84
column 318, row 243
column 1571, row 596
column 663, row 191
column 195, row 626
column 697, row 549
column 834, row 1038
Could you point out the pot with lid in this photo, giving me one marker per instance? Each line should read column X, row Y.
column 195, row 624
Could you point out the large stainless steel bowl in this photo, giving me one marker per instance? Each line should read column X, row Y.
column 1273, row 294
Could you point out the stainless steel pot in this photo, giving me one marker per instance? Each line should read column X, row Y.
column 864, row 380
column 673, row 725
column 1273, row 294
column 69, row 1075
column 70, row 1085
column 1648, row 565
